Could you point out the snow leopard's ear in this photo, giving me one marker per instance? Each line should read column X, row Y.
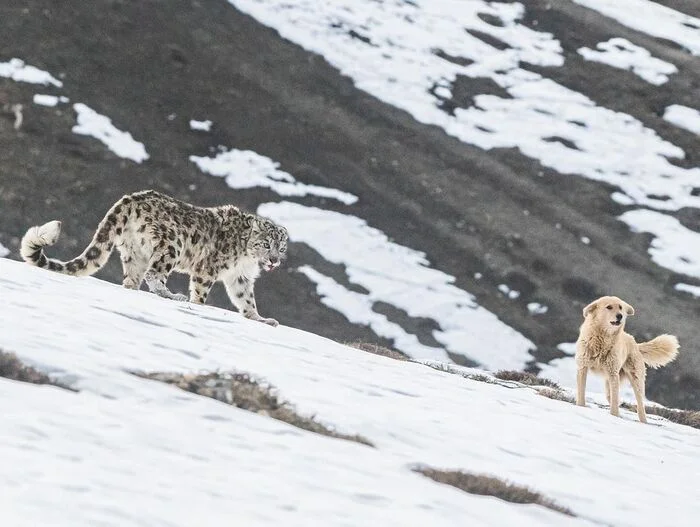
column 255, row 226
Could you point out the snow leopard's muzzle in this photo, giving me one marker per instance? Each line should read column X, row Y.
column 270, row 264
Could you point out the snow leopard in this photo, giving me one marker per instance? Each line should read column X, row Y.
column 156, row 234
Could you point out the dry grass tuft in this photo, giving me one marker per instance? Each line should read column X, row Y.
column 242, row 391
column 558, row 395
column 524, row 377
column 491, row 486
column 13, row 368
column 378, row 350
column 441, row 366
column 681, row 417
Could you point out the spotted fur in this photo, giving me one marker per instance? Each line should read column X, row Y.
column 156, row 235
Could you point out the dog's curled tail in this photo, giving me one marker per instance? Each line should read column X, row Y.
column 659, row 351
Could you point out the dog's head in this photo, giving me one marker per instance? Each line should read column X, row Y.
column 608, row 312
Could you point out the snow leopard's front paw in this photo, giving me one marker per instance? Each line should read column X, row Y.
column 269, row 321
column 179, row 297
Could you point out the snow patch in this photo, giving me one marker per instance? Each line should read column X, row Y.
column 683, row 117
column 247, row 169
column 357, row 309
column 201, row 126
column 687, row 288
column 49, row 100
column 19, row 71
column 402, row 277
column 4, row 251
column 622, row 54
column 535, row 308
column 674, row 246
column 409, row 54
column 507, row 291
column 100, row 127
column 653, row 19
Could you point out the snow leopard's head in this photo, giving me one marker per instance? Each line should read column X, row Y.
column 268, row 243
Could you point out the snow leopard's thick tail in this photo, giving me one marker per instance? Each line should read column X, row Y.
column 659, row 351
column 93, row 257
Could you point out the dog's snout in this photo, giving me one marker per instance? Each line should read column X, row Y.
column 619, row 316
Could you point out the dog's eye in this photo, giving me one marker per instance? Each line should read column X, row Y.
column 608, row 307
column 620, row 307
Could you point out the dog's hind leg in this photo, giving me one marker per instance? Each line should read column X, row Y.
column 607, row 390
column 614, row 379
column 637, row 381
column 581, row 374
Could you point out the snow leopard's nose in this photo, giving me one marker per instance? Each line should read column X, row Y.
column 274, row 260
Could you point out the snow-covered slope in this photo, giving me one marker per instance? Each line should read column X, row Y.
column 127, row 451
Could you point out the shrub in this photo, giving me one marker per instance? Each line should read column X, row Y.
column 378, row 350
column 525, row 377
column 490, row 486
column 681, row 417
column 558, row 395
column 242, row 391
column 13, row 368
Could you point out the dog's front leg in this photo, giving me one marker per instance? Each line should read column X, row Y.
column 581, row 375
column 614, row 379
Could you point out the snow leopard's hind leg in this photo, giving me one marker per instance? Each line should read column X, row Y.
column 199, row 289
column 160, row 266
column 134, row 265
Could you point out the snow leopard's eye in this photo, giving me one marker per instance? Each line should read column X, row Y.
column 266, row 245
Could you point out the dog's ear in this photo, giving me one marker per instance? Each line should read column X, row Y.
column 589, row 308
column 629, row 309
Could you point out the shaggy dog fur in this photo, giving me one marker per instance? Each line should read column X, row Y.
column 604, row 348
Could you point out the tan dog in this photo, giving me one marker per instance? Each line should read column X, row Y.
column 604, row 348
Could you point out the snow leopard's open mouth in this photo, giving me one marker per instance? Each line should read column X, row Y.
column 269, row 266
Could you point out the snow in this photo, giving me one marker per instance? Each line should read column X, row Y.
column 127, row 451
column 684, row 117
column 48, row 100
column 507, row 291
column 535, row 308
column 247, row 169
column 622, row 54
column 400, row 276
column 17, row 70
column 653, row 19
column 687, row 288
column 403, row 65
column 4, row 251
column 100, row 127
column 674, row 246
column 200, row 126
